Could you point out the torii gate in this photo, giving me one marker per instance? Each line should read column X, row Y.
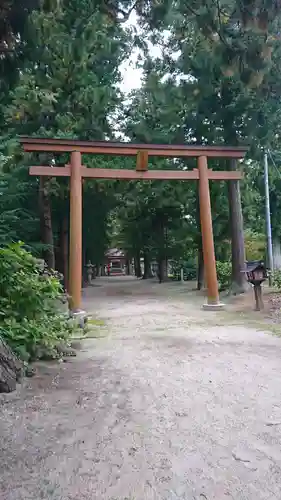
column 76, row 171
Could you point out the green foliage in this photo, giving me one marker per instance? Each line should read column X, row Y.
column 189, row 270
column 29, row 319
column 239, row 34
column 67, row 86
column 157, row 219
column 224, row 275
column 18, row 203
column 218, row 81
column 255, row 245
column 276, row 279
column 188, row 95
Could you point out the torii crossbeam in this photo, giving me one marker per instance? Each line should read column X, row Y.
column 76, row 171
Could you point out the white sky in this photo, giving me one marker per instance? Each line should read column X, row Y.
column 131, row 75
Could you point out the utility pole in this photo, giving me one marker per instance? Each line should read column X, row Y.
column 268, row 218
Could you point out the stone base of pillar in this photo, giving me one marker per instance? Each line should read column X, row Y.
column 80, row 317
column 213, row 307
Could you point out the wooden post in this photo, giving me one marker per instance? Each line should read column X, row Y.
column 207, row 234
column 258, row 297
column 75, row 237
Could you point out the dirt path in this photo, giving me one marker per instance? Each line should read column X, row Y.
column 170, row 404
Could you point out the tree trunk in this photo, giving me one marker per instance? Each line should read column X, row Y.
column 147, row 267
column 159, row 271
column 46, row 223
column 162, row 270
column 11, row 368
column 239, row 283
column 128, row 267
column 162, row 253
column 137, row 266
column 200, row 268
column 62, row 252
column 276, row 253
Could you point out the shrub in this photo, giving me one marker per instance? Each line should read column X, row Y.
column 189, row 270
column 224, row 275
column 276, row 279
column 255, row 245
column 29, row 319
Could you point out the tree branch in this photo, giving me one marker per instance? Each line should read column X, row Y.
column 114, row 12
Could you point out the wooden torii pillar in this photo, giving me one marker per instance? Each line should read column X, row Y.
column 77, row 172
column 75, row 232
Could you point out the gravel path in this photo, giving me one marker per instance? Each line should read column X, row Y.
column 170, row 404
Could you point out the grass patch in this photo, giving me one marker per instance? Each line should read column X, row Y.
column 95, row 328
column 251, row 319
column 96, row 334
column 95, row 322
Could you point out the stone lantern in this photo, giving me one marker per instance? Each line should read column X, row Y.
column 256, row 274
